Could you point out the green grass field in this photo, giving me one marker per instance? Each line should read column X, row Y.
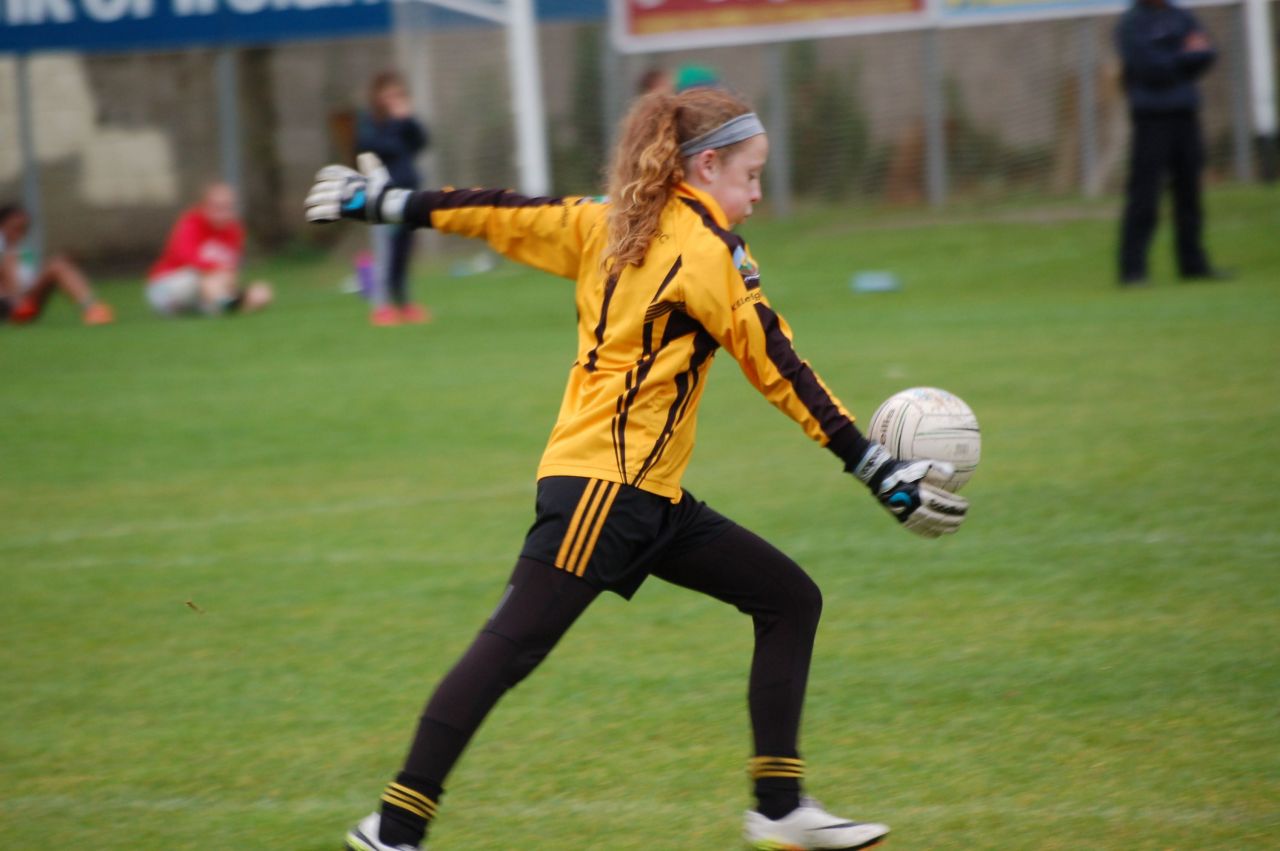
column 1094, row 662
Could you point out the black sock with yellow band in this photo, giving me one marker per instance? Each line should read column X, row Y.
column 408, row 805
column 777, row 784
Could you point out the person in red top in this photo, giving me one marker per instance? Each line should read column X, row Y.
column 199, row 270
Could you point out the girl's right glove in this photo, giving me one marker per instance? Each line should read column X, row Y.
column 365, row 195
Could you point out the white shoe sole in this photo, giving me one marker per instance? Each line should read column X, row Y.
column 355, row 842
column 774, row 845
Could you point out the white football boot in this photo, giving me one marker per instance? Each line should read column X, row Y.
column 810, row 828
column 364, row 837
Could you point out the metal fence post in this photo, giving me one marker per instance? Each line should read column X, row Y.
column 935, row 119
column 779, row 168
column 613, row 93
column 30, row 163
column 410, row 23
column 1241, row 136
column 226, row 71
column 1088, row 79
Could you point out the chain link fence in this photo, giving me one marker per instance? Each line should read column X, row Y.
column 1025, row 111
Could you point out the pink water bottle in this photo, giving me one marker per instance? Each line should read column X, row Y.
column 364, row 274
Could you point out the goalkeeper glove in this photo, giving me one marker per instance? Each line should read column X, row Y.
column 909, row 491
column 343, row 193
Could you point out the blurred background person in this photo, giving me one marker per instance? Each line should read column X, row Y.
column 25, row 289
column 656, row 79
column 692, row 76
column 198, row 272
column 1164, row 50
column 389, row 130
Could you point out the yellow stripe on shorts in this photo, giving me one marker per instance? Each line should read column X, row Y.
column 588, row 494
column 578, row 565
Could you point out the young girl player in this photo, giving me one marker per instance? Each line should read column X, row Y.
column 662, row 282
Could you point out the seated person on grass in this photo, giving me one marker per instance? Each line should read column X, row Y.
column 198, row 272
column 25, row 288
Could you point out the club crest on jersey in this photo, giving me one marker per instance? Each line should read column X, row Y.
column 747, row 267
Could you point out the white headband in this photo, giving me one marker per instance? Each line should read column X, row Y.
column 734, row 130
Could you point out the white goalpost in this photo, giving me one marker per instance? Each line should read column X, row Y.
column 1262, row 80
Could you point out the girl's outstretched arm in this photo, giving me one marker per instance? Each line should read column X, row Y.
column 546, row 233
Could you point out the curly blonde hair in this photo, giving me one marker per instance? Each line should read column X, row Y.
column 647, row 164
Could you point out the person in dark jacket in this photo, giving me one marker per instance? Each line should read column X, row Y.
column 389, row 130
column 1164, row 51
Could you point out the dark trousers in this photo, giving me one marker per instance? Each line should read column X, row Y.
column 394, row 248
column 1164, row 146
column 541, row 603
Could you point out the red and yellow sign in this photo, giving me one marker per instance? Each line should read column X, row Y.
column 664, row 24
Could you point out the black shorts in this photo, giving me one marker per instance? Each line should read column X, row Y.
column 611, row 534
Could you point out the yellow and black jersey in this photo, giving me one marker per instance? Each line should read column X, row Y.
column 647, row 336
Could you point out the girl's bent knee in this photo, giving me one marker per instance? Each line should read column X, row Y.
column 809, row 600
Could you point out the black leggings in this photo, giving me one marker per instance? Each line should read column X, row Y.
column 541, row 603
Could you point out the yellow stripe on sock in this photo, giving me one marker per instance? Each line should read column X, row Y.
column 419, row 805
column 393, row 797
column 411, row 793
column 775, row 766
column 403, row 804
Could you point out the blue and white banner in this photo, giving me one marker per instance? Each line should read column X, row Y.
column 108, row 25
column 30, row 25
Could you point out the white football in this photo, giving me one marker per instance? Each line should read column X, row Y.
column 925, row 422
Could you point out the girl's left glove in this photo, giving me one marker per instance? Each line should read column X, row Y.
column 365, row 195
column 909, row 491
